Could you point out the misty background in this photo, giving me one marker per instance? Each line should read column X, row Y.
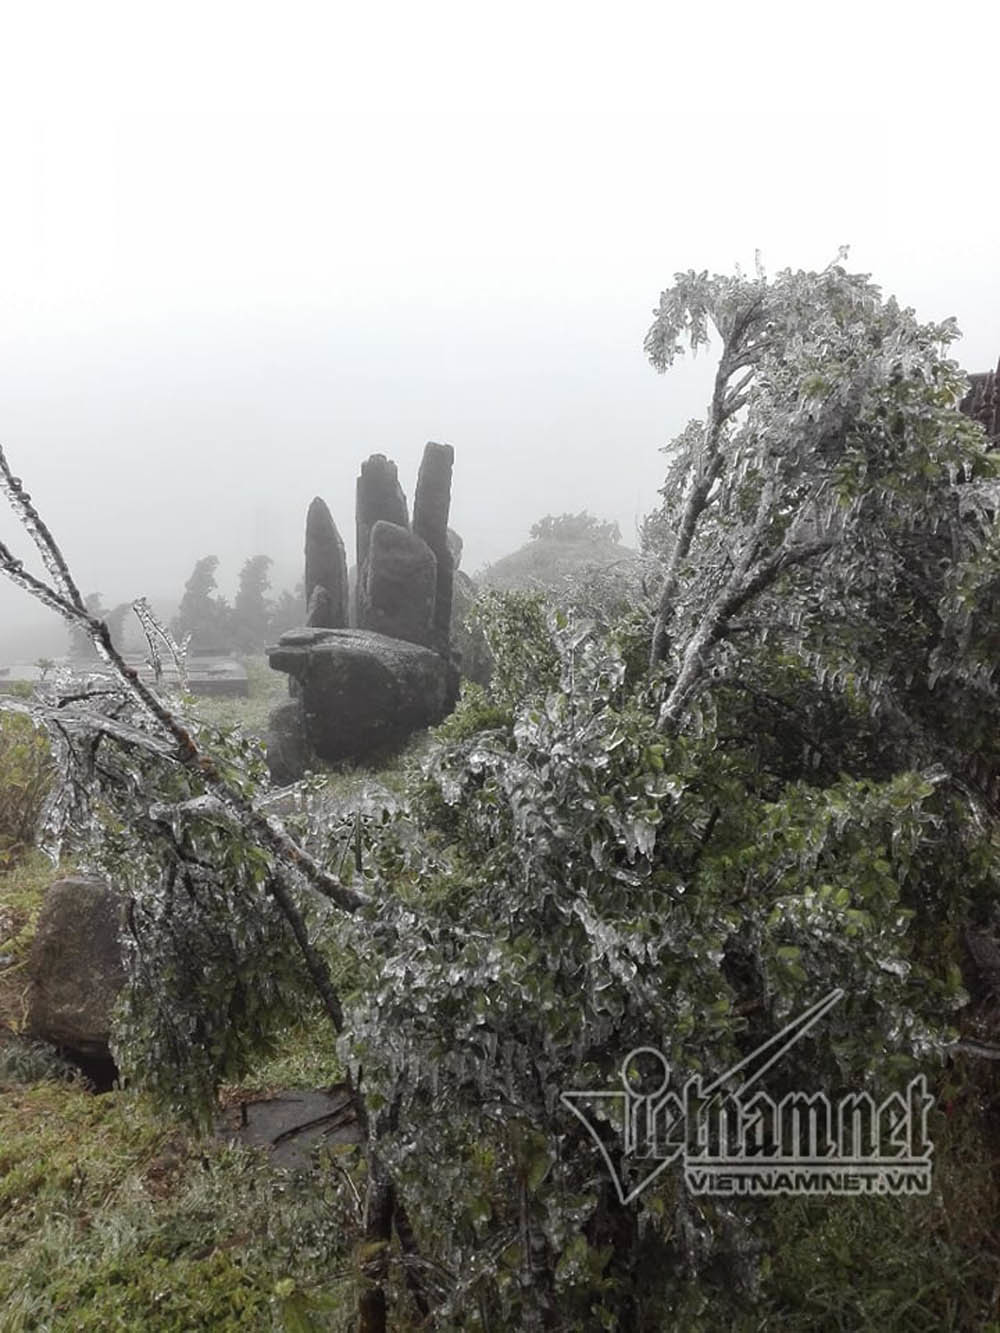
column 232, row 268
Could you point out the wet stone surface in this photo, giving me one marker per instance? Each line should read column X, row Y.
column 291, row 1124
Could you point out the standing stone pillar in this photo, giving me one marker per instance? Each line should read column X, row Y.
column 326, row 570
column 431, row 506
column 379, row 498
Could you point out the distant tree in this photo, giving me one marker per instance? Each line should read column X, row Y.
column 81, row 648
column 287, row 612
column 252, row 608
column 204, row 616
column 582, row 527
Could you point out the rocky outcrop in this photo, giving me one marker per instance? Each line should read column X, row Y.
column 289, row 754
column 326, row 569
column 361, row 693
column 76, row 969
column 391, row 571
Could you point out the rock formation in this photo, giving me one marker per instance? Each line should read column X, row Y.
column 379, row 496
column 362, row 690
column 321, row 613
column 361, row 694
column 289, row 754
column 397, row 596
column 326, row 569
column 431, row 503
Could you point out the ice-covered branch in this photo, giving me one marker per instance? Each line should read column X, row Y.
column 211, row 807
column 52, row 557
column 983, row 1050
column 16, row 572
column 153, row 630
column 727, row 399
column 175, row 739
column 745, row 584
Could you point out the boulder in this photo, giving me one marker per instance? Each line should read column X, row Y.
column 75, row 968
column 397, row 596
column 363, row 694
column 289, row 754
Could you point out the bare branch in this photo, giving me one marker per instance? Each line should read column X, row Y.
column 186, row 751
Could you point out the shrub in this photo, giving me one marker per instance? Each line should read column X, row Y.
column 25, row 775
column 513, row 625
column 25, row 1061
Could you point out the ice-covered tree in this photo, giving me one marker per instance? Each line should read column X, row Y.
column 833, row 499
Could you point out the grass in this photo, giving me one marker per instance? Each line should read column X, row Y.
column 26, row 765
column 114, row 1218
column 111, row 1218
column 898, row 1265
column 267, row 689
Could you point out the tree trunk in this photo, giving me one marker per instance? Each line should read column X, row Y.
column 372, row 1305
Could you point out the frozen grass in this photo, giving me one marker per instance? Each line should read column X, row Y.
column 267, row 689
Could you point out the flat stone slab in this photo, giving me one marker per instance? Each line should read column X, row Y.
column 361, row 693
column 218, row 676
column 291, row 1125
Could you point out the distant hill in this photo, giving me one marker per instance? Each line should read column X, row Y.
column 547, row 563
column 574, row 559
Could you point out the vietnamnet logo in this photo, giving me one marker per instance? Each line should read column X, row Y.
column 733, row 1140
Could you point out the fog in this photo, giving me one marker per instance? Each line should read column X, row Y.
column 219, row 294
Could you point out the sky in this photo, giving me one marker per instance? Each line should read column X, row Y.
column 244, row 247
